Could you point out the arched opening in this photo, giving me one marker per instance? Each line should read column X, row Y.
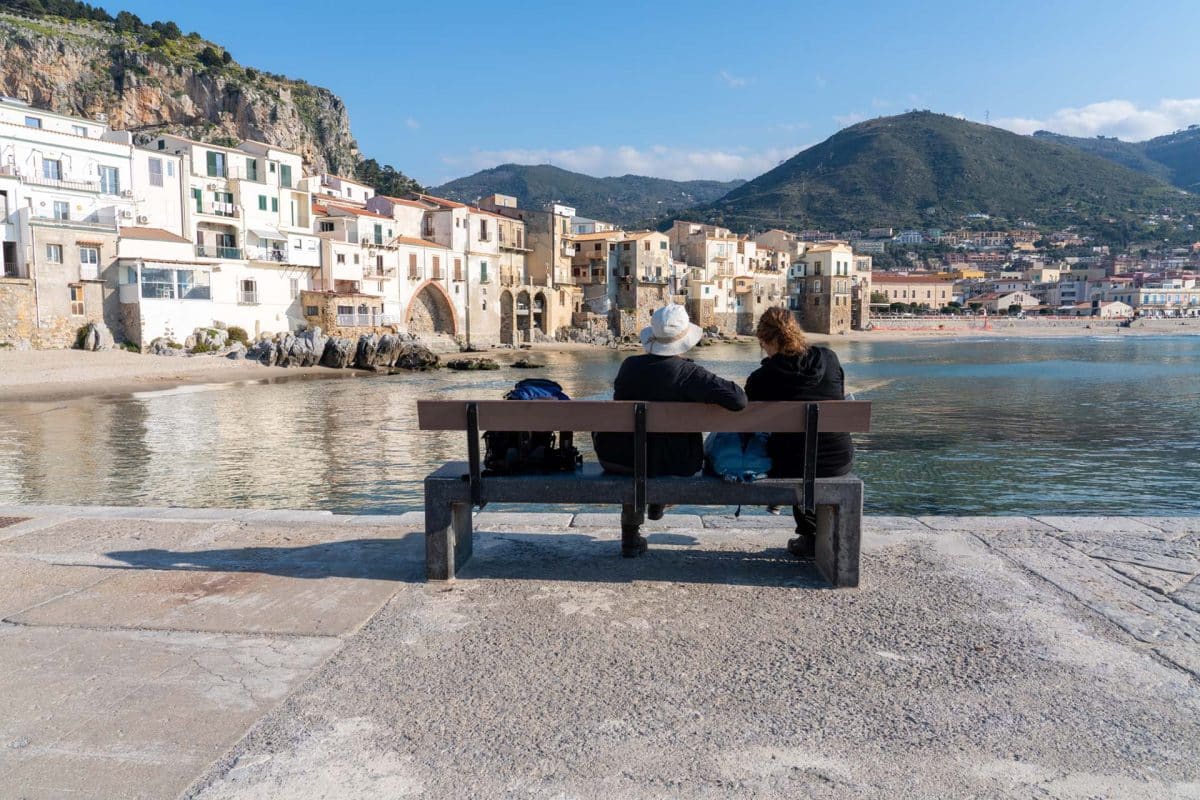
column 524, row 318
column 539, row 312
column 506, row 318
column 430, row 312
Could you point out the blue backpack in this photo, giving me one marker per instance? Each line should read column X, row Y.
column 726, row 456
column 515, row 452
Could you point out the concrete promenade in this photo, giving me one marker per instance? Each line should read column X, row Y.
column 212, row 654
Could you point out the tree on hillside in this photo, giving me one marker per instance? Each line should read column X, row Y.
column 209, row 57
column 386, row 179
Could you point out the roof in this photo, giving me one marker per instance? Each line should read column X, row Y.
column 598, row 235
column 418, row 242
column 641, row 234
column 358, row 212
column 887, row 277
column 153, row 235
column 401, row 201
column 355, row 181
column 440, row 201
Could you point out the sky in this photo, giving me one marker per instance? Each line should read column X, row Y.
column 712, row 90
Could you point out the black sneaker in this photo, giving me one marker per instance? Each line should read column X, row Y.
column 655, row 511
column 632, row 548
column 803, row 546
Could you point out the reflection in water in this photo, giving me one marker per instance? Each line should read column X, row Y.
column 979, row 427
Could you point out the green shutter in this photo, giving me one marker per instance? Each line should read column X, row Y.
column 262, row 202
column 198, row 197
column 285, row 176
column 252, row 168
column 275, row 204
column 213, row 170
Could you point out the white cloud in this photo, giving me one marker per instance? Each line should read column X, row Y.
column 659, row 161
column 846, row 120
column 1120, row 118
column 732, row 81
column 789, row 127
column 411, row 123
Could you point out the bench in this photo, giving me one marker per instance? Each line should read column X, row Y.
column 458, row 487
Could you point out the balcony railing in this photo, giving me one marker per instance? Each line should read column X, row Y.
column 212, row 251
column 248, row 298
column 357, row 320
column 274, row 254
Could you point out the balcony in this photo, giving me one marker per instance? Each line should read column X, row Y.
column 248, row 298
column 214, row 251
column 104, row 219
column 356, row 320
column 275, row 255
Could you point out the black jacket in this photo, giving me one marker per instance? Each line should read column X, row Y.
column 815, row 375
column 665, row 379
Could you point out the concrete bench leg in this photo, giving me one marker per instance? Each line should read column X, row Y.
column 839, row 537
column 448, row 536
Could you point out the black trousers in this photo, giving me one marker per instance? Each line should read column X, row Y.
column 805, row 523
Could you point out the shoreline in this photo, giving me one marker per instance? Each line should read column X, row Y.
column 49, row 375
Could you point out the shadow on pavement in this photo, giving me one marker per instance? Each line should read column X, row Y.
column 372, row 559
column 672, row 558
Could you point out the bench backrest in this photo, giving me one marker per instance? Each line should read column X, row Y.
column 835, row 416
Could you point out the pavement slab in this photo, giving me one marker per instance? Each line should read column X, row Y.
column 725, row 668
column 612, row 521
column 125, row 714
column 986, row 525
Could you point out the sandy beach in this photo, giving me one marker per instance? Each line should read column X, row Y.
column 57, row 374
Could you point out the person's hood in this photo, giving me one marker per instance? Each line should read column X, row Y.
column 803, row 371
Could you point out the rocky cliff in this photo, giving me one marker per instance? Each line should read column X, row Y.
column 183, row 84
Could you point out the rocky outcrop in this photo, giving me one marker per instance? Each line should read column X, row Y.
column 311, row 347
column 89, row 70
column 95, row 336
column 305, row 349
column 339, row 352
column 472, row 364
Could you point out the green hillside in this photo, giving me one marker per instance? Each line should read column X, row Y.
column 926, row 169
column 628, row 200
column 1174, row 158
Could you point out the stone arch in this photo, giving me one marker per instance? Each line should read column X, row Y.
column 507, row 318
column 537, row 314
column 430, row 311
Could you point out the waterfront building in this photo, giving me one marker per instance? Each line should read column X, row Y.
column 820, row 288
column 924, row 290
column 1001, row 302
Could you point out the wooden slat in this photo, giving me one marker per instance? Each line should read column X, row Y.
column 837, row 416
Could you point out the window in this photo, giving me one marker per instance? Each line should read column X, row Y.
column 294, row 287
column 76, row 300
column 645, row 245
column 262, row 202
column 33, row 122
column 378, row 234
column 483, row 275
column 252, row 169
column 249, row 292
column 437, row 268
column 62, row 209
column 597, row 246
column 296, row 244
column 412, row 266
column 275, row 204
column 79, row 130
column 625, row 246
column 356, row 260
column 271, row 167
column 54, row 253
column 198, row 197
column 170, row 169
column 110, row 180
column 379, row 264
column 458, row 274
column 326, row 227
column 483, row 230
column 89, row 256
column 52, row 169
column 156, row 171
column 311, row 311
column 215, row 164
column 285, row 176
column 341, row 258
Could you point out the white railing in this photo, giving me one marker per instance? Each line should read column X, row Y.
column 357, row 320
column 248, row 298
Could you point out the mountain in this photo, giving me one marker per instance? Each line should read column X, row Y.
column 926, row 169
column 1174, row 158
column 76, row 59
column 628, row 200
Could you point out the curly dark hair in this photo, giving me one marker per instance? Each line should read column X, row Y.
column 778, row 326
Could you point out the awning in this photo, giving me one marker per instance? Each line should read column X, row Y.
column 268, row 233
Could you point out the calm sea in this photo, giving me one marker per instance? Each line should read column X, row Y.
column 996, row 426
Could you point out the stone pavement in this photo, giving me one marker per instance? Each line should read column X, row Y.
column 235, row 654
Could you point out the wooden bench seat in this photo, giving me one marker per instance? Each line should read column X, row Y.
column 456, row 488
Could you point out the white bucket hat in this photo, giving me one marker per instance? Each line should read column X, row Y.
column 671, row 333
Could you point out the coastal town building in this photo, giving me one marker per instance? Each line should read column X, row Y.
column 929, row 291
column 821, row 289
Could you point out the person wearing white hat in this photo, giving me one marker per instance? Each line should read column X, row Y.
column 661, row 375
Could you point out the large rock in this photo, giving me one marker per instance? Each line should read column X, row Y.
column 264, row 352
column 364, row 353
column 162, row 347
column 237, row 351
column 303, row 349
column 207, row 340
column 387, row 351
column 416, row 356
column 96, row 336
column 339, row 352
